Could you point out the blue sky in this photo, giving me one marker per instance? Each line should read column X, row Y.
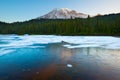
column 21, row 10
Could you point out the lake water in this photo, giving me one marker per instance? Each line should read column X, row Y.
column 50, row 57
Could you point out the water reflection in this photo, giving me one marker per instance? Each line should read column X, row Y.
column 50, row 63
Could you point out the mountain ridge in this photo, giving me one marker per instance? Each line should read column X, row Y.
column 63, row 13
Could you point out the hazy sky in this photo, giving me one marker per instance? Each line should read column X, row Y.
column 20, row 10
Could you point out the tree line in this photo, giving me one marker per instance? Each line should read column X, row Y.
column 98, row 25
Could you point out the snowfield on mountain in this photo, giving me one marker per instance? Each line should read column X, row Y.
column 63, row 13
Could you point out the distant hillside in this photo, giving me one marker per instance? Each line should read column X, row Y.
column 99, row 25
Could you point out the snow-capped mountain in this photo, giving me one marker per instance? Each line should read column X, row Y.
column 63, row 13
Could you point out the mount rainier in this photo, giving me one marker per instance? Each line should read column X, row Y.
column 63, row 13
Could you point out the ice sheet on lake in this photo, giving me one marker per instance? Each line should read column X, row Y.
column 79, row 41
column 81, row 46
column 94, row 41
column 69, row 65
column 5, row 51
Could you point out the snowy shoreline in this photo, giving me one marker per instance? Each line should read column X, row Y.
column 81, row 41
column 10, row 42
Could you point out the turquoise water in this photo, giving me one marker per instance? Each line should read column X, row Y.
column 55, row 61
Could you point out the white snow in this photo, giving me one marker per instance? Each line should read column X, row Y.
column 78, row 41
column 81, row 46
column 63, row 13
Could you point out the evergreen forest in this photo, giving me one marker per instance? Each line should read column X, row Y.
column 106, row 25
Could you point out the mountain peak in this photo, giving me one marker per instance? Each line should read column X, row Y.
column 62, row 9
column 67, row 9
column 63, row 13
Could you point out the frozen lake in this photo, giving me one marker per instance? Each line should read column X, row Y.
column 50, row 57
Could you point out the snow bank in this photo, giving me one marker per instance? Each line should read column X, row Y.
column 78, row 41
